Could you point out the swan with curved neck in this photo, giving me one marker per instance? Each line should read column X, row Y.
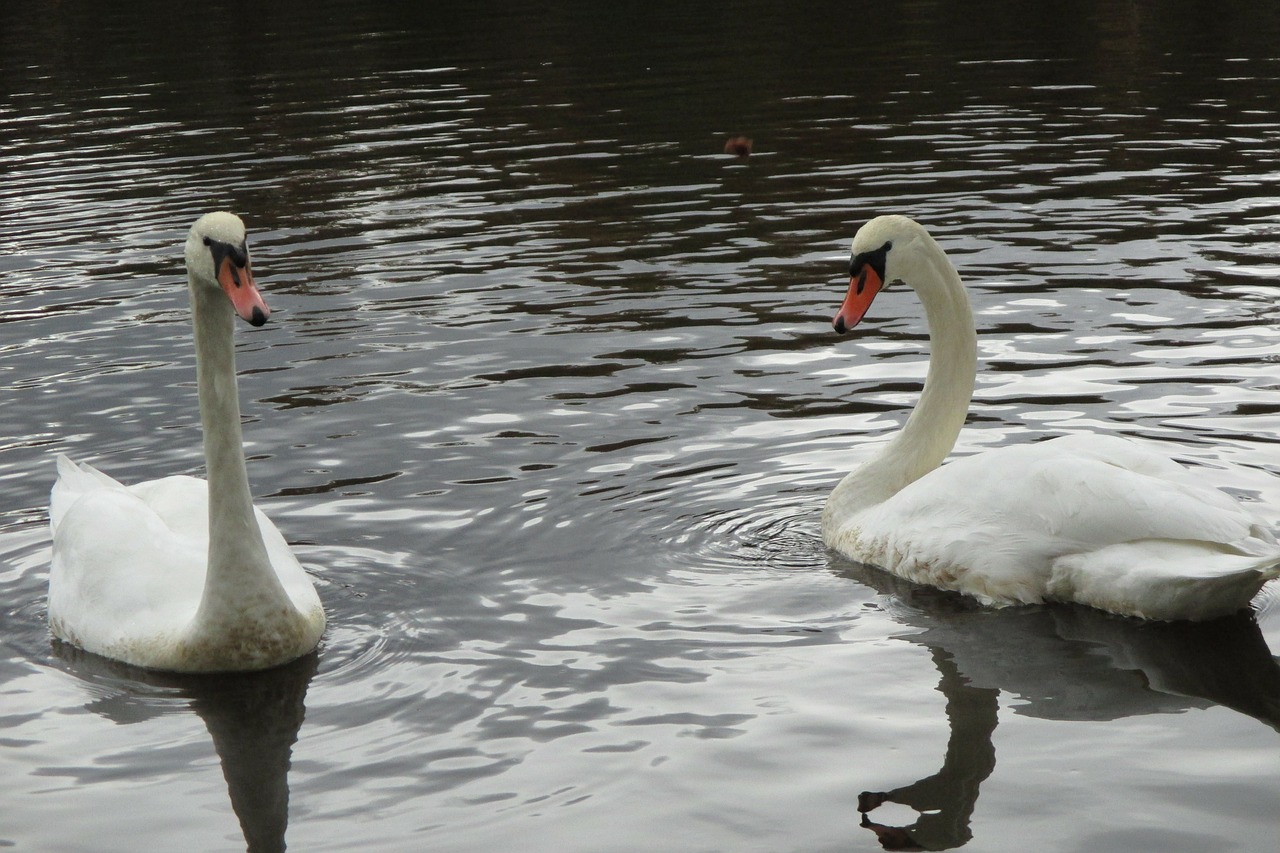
column 179, row 574
column 1087, row 518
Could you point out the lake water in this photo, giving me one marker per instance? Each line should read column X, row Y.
column 550, row 403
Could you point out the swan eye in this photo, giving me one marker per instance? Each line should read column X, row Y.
column 875, row 259
column 239, row 255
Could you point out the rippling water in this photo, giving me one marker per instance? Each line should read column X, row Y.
column 549, row 403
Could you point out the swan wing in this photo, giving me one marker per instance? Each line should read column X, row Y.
column 1023, row 523
column 74, row 480
column 129, row 562
column 1102, row 490
column 183, row 504
column 121, row 580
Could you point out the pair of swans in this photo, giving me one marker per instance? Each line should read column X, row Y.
column 178, row 575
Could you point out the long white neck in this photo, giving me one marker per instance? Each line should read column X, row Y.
column 931, row 430
column 239, row 584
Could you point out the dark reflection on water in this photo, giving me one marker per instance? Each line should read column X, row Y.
column 944, row 801
column 549, row 405
column 1061, row 663
column 252, row 718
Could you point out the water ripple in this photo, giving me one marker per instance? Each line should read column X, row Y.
column 549, row 404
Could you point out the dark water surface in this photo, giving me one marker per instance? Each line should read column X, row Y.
column 550, row 403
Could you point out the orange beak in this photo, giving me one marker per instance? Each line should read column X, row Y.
column 862, row 290
column 243, row 292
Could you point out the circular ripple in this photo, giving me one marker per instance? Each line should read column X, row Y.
column 781, row 535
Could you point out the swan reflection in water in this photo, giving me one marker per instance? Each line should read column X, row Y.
column 1063, row 662
column 252, row 717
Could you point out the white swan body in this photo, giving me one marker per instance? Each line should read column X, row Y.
column 1092, row 519
column 179, row 574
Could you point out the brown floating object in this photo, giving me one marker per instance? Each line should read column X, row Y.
column 739, row 146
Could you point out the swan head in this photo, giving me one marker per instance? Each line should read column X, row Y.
column 885, row 251
column 218, row 258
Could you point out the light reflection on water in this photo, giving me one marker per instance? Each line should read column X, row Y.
column 549, row 403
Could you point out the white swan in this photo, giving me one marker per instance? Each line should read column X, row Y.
column 1092, row 519
column 175, row 574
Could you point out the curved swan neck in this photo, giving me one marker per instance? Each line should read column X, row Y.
column 935, row 422
column 239, row 569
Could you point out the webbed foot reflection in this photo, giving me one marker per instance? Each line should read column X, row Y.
column 868, row 800
column 890, row 837
column 945, row 801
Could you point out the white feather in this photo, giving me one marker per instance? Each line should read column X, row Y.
column 1093, row 519
column 135, row 575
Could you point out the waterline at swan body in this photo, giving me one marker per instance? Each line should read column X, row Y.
column 178, row 573
column 1086, row 518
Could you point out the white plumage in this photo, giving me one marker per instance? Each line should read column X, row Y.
column 1092, row 519
column 176, row 573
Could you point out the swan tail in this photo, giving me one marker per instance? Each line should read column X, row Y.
column 1164, row 580
column 74, row 480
